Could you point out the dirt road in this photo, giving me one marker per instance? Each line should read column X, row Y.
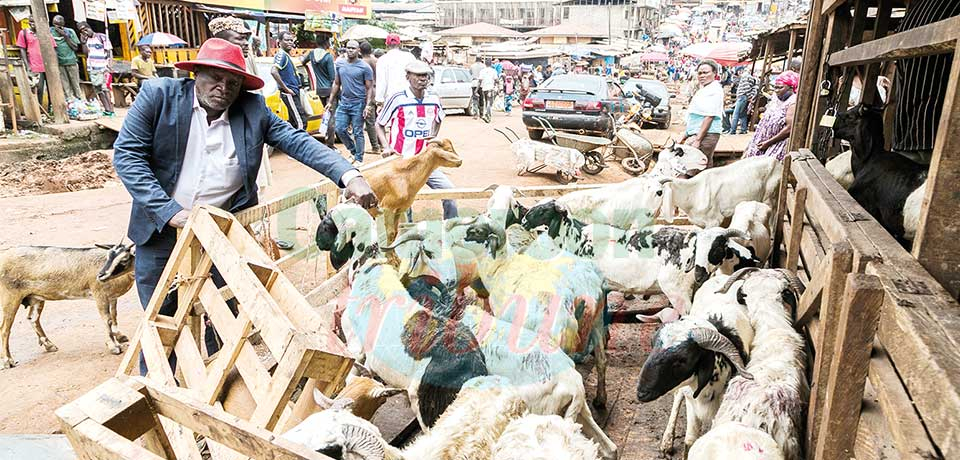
column 42, row 382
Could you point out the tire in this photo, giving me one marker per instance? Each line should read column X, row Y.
column 594, row 163
column 632, row 166
column 565, row 178
column 535, row 134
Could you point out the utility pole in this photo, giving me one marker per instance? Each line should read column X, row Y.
column 50, row 64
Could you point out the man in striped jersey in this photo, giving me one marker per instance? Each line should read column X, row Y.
column 414, row 116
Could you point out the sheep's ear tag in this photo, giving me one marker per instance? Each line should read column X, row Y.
column 829, row 119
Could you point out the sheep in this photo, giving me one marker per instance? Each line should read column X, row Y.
column 840, row 168
column 32, row 275
column 543, row 437
column 467, row 430
column 396, row 184
column 561, row 297
column 752, row 218
column 678, row 160
column 697, row 365
column 773, row 400
column 882, row 180
column 649, row 260
column 401, row 342
column 711, row 196
column 736, row 441
column 911, row 211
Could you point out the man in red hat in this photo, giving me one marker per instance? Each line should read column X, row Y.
column 188, row 142
column 391, row 70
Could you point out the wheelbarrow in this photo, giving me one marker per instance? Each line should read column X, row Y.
column 628, row 146
column 533, row 157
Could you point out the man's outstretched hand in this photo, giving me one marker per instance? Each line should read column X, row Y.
column 179, row 219
column 359, row 191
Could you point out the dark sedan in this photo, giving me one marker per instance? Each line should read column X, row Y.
column 661, row 112
column 582, row 104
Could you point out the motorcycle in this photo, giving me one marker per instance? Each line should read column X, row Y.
column 629, row 146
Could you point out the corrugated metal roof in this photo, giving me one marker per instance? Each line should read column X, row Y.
column 480, row 29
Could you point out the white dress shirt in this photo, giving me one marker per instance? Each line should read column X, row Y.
column 211, row 170
column 392, row 73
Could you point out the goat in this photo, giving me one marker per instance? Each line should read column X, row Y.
column 432, row 355
column 697, row 355
column 840, row 168
column 882, row 180
column 752, row 218
column 711, row 196
column 773, row 400
column 396, row 183
column 649, row 260
column 561, row 297
column 543, row 437
column 468, row 429
column 32, row 275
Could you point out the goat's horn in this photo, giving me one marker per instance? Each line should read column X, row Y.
column 362, row 442
column 321, row 399
column 364, row 371
column 712, row 340
column 793, row 280
column 736, row 276
column 673, row 143
column 664, row 180
column 450, row 223
column 490, row 188
column 409, row 236
column 736, row 233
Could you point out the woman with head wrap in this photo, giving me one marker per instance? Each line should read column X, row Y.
column 774, row 128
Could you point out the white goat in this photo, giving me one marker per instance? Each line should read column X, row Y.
column 711, row 196
column 841, row 169
column 773, row 401
column 911, row 211
column 752, row 218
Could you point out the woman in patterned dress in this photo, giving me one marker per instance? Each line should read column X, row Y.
column 774, row 128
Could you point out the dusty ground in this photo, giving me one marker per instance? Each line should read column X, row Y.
column 80, row 172
column 43, row 382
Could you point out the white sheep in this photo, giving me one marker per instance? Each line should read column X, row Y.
column 543, row 437
column 736, row 441
column 752, row 218
column 911, row 211
column 773, row 400
column 840, row 168
column 711, row 196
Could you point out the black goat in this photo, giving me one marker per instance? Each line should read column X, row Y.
column 882, row 180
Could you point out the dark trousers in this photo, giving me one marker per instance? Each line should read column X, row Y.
column 151, row 258
column 370, row 126
column 294, row 109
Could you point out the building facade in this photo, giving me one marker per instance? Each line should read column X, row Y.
column 522, row 15
column 617, row 18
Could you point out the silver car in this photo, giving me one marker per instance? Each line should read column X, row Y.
column 454, row 86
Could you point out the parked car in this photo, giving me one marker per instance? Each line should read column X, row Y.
column 576, row 103
column 661, row 113
column 454, row 86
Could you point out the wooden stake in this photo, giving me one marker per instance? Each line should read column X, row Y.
column 50, row 64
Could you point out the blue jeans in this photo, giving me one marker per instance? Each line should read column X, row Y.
column 439, row 180
column 740, row 113
column 351, row 114
column 507, row 101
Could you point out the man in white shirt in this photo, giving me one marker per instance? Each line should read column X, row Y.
column 391, row 70
column 488, row 82
column 188, row 142
column 414, row 116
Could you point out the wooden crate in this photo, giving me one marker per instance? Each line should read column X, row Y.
column 107, row 422
column 294, row 335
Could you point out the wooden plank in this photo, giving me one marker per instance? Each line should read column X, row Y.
column 936, row 244
column 118, row 408
column 807, row 91
column 329, row 290
column 836, row 38
column 906, row 429
column 781, row 210
column 856, row 329
column 477, row 193
column 220, row 426
column 190, row 361
column 286, row 376
column 825, row 341
column 94, row 441
column 936, row 38
column 919, row 328
column 796, row 230
column 836, row 261
column 880, row 28
column 830, row 5
column 874, row 441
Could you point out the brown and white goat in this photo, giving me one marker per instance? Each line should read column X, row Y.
column 32, row 275
column 397, row 183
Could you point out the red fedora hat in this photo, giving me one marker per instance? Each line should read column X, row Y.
column 221, row 54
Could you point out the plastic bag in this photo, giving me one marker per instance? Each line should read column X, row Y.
column 325, row 121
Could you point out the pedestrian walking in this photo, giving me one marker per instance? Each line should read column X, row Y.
column 746, row 92
column 366, row 53
column 414, row 116
column 68, row 43
column 288, row 82
column 172, row 160
column 321, row 72
column 704, row 115
column 99, row 53
column 508, row 91
column 488, row 82
column 354, row 87
column 391, row 69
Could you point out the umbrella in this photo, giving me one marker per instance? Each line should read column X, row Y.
column 161, row 39
column 361, row 31
column 669, row 30
column 725, row 53
column 653, row 57
column 509, row 66
column 657, row 49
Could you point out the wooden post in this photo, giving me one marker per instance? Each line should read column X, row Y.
column 792, row 46
column 835, row 39
column 935, row 245
column 763, row 80
column 807, row 93
column 780, row 211
column 857, row 326
column 880, row 28
column 31, row 109
column 824, row 343
column 796, row 229
column 50, row 64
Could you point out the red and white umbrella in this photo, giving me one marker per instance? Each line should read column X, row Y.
column 725, row 53
column 161, row 39
column 652, row 56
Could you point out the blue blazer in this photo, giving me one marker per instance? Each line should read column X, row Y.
column 149, row 151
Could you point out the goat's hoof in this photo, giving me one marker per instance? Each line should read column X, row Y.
column 49, row 347
column 612, row 455
column 667, row 447
column 600, row 402
column 115, row 349
column 121, row 338
column 7, row 363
